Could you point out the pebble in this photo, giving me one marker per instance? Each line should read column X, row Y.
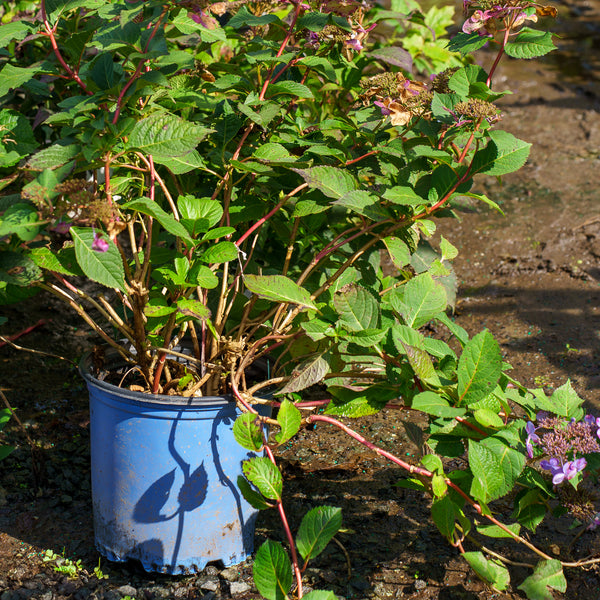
column 420, row 584
column 127, row 590
column 238, row 587
column 210, row 585
column 230, row 574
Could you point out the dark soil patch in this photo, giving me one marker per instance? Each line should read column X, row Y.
column 532, row 278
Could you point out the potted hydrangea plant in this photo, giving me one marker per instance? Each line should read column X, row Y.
column 237, row 198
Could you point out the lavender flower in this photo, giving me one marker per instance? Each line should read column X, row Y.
column 99, row 244
column 561, row 472
column 532, row 438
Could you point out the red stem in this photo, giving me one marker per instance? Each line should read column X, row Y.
column 138, row 69
column 50, row 33
column 354, row 160
column 16, row 336
column 262, row 220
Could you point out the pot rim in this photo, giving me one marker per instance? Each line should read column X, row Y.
column 85, row 370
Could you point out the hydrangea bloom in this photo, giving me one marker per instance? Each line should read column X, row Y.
column 532, row 438
column 560, row 472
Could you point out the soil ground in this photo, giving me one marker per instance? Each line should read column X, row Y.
column 532, row 278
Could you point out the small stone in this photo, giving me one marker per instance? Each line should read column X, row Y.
column 181, row 592
column 211, row 571
column 127, row 590
column 230, row 574
column 238, row 587
column 210, row 585
column 420, row 584
column 47, row 596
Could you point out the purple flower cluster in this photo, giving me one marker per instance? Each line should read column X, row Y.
column 564, row 441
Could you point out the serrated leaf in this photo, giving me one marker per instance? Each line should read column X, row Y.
column 357, row 307
column 21, row 220
column 479, row 368
column 290, row 419
column 262, row 473
column 279, row 289
column 13, row 77
column 424, row 299
column 306, row 374
column 492, row 572
column 247, row 432
column 53, row 156
column 564, row 402
column 220, row 252
column 252, row 497
column 105, row 268
column 547, row 575
column 503, row 154
column 332, row 182
column 495, row 467
column 403, row 196
column 179, row 165
column 164, row 135
column 272, row 571
column 466, row 43
column 422, row 365
column 488, row 418
column 317, row 528
column 432, row 404
column 353, row 404
column 398, row 251
column 439, row 487
column 364, row 203
column 394, row 55
column 530, row 43
column 433, row 463
column 152, row 209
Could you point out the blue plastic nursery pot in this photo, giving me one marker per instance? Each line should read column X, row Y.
column 164, row 473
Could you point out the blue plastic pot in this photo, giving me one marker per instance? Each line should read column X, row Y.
column 164, row 473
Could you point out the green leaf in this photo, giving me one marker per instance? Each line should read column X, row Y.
column 357, row 307
column 252, row 497
column 308, row 373
column 289, row 418
column 352, row 403
column 54, row 156
column 564, row 402
column 247, row 432
column 398, row 251
column 503, row 154
column 497, row 532
column 422, row 365
column 433, row 463
column 492, row 572
column 272, row 570
column 466, row 43
column 63, row 261
column 193, row 308
column 105, row 268
column 332, row 182
column 179, row 165
column 220, row 252
column 439, row 487
column 21, row 220
column 293, row 88
column 424, row 299
column 488, row 418
column 495, row 467
column 530, row 43
column 152, row 209
column 164, row 136
column 462, row 80
column 278, row 289
column 244, row 18
column 17, row 269
column 317, row 528
column 432, row 404
column 319, row 595
column 13, row 77
column 16, row 30
column 262, row 473
column 363, row 203
column 320, row 64
column 403, row 196
column 547, row 575
column 479, row 368
column 443, row 513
